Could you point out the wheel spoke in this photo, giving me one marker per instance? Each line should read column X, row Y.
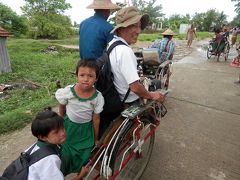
column 136, row 163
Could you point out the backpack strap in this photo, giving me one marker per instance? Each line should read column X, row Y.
column 126, row 95
column 113, row 45
column 42, row 152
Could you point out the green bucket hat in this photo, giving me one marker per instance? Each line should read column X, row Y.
column 128, row 16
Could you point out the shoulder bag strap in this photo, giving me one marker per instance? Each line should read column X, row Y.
column 165, row 49
column 126, row 95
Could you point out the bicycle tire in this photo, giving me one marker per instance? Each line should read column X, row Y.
column 163, row 75
column 226, row 51
column 209, row 54
column 166, row 77
column 136, row 165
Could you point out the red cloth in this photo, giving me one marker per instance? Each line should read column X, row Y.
column 235, row 62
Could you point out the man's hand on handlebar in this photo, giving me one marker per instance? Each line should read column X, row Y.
column 157, row 96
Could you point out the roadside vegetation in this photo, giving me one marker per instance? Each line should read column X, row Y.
column 36, row 67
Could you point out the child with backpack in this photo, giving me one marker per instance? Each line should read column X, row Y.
column 80, row 105
column 41, row 161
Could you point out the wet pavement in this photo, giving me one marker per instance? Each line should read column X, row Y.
column 198, row 139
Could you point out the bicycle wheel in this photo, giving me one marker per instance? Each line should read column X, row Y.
column 209, row 53
column 163, row 75
column 138, row 162
column 226, row 51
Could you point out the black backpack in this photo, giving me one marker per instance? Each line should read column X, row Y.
column 18, row 169
column 113, row 105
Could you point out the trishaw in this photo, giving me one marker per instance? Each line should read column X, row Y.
column 224, row 52
column 126, row 146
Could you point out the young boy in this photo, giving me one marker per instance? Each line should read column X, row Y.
column 48, row 128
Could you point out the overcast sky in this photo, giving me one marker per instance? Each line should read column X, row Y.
column 78, row 12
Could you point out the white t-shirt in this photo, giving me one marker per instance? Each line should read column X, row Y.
column 48, row 168
column 79, row 110
column 124, row 68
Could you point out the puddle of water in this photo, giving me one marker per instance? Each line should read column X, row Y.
column 200, row 56
column 200, row 50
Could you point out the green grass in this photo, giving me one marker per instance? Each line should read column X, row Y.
column 154, row 36
column 31, row 64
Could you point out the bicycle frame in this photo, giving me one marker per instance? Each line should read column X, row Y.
column 132, row 120
column 137, row 150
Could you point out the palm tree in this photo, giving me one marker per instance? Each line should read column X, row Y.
column 222, row 18
column 237, row 5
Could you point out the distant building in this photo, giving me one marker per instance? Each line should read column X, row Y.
column 183, row 28
column 157, row 26
column 5, row 65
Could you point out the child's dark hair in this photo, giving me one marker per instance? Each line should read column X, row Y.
column 217, row 29
column 90, row 63
column 45, row 122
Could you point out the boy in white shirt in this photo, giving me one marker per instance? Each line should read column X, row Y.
column 48, row 128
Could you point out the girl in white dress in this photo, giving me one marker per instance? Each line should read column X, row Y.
column 80, row 105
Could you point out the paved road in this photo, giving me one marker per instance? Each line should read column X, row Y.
column 199, row 139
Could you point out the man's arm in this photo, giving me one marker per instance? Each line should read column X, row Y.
column 140, row 90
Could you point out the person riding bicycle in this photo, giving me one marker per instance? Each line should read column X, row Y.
column 123, row 61
column 226, row 30
column 166, row 45
column 218, row 42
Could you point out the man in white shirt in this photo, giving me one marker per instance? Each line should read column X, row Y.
column 129, row 24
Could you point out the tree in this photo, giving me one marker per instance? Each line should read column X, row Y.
column 237, row 5
column 175, row 20
column 221, row 18
column 154, row 11
column 198, row 20
column 112, row 20
column 46, row 18
column 10, row 21
column 236, row 21
column 210, row 19
column 206, row 21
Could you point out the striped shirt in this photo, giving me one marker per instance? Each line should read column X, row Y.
column 169, row 45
